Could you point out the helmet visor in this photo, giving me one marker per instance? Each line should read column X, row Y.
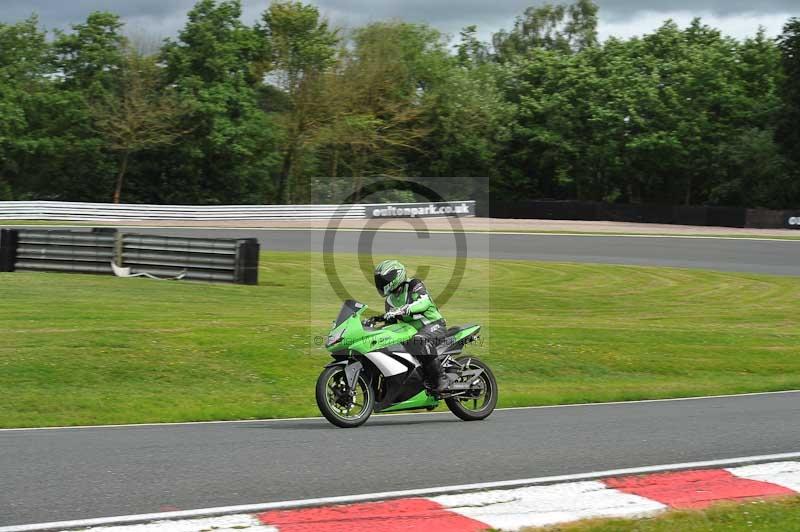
column 383, row 280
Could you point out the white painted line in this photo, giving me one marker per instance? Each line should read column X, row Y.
column 442, row 231
column 643, row 235
column 166, row 424
column 398, row 414
column 639, row 401
column 227, row 523
column 424, row 492
column 229, row 421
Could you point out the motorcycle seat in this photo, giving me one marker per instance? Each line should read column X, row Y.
column 396, row 348
column 452, row 331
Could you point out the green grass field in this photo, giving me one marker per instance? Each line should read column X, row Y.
column 780, row 515
column 82, row 349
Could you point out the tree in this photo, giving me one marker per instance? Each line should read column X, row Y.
column 386, row 75
column 92, row 54
column 471, row 51
column 647, row 119
column 57, row 155
column 301, row 46
column 88, row 61
column 216, row 67
column 788, row 134
column 377, row 98
column 679, row 115
column 755, row 172
column 546, row 91
column 25, row 61
column 467, row 121
column 553, row 27
column 139, row 115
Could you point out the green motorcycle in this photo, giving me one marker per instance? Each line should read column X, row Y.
column 373, row 372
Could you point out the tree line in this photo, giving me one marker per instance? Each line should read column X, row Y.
column 277, row 111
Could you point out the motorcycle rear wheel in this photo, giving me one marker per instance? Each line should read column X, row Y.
column 475, row 408
column 331, row 399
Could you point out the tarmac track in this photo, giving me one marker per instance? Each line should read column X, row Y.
column 770, row 256
column 61, row 474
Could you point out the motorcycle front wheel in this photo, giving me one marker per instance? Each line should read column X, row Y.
column 337, row 404
column 479, row 404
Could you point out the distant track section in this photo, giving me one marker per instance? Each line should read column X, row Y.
column 779, row 257
column 749, row 255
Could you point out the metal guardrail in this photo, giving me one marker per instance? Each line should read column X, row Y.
column 50, row 210
column 202, row 259
column 73, row 211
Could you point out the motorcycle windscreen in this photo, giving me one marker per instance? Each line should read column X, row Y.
column 349, row 308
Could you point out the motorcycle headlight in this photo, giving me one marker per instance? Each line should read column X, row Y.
column 335, row 338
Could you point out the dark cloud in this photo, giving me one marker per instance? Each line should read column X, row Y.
column 452, row 15
column 716, row 7
column 54, row 13
column 165, row 17
column 159, row 17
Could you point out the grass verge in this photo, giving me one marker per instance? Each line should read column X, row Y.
column 82, row 349
column 729, row 236
column 779, row 515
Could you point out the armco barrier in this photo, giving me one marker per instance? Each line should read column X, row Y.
column 202, row 259
column 54, row 210
column 75, row 211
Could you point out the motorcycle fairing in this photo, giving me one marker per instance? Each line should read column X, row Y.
column 399, row 388
column 388, row 365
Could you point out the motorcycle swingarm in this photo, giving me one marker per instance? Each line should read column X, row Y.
column 470, row 375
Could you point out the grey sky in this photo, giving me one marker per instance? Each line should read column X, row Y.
column 162, row 18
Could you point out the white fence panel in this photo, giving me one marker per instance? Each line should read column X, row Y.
column 74, row 211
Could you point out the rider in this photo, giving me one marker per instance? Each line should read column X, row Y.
column 407, row 300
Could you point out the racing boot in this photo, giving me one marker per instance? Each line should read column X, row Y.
column 435, row 378
column 442, row 383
